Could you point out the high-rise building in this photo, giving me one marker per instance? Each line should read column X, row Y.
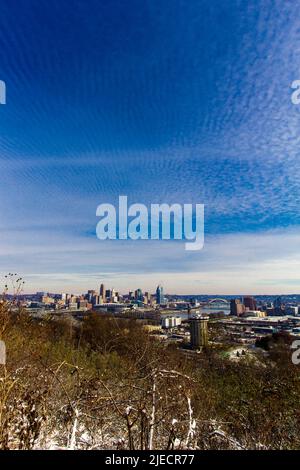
column 199, row 331
column 291, row 310
column 138, row 295
column 130, row 295
column 90, row 294
column 250, row 303
column 159, row 295
column 113, row 297
column 236, row 307
column 278, row 306
column 102, row 292
column 95, row 299
column 146, row 298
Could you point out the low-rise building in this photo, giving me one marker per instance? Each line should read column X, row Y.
column 170, row 322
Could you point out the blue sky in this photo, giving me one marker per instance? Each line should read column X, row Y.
column 173, row 101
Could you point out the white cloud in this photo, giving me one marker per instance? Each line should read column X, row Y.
column 266, row 262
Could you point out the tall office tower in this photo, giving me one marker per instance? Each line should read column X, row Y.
column 236, row 307
column 95, row 299
column 159, row 295
column 39, row 296
column 250, row 303
column 147, row 298
column 199, row 331
column 138, row 295
column 102, row 292
column 130, row 295
column 107, row 294
column 90, row 294
column 278, row 306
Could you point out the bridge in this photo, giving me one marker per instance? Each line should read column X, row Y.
column 217, row 301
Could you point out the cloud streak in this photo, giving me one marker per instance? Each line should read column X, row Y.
column 185, row 104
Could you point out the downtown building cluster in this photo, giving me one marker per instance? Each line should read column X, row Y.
column 95, row 299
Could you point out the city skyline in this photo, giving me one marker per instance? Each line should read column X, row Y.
column 133, row 102
column 151, row 290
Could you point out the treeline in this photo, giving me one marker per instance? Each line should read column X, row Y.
column 107, row 383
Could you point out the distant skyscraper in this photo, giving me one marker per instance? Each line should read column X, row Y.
column 95, row 299
column 138, row 295
column 199, row 332
column 146, row 298
column 90, row 295
column 159, row 295
column 250, row 303
column 102, row 292
column 236, row 307
column 278, row 306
